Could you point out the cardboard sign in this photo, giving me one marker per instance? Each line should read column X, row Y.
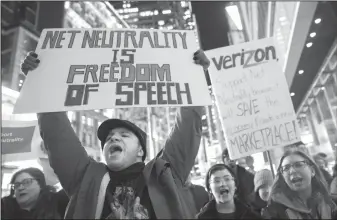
column 19, row 140
column 85, row 69
column 252, row 96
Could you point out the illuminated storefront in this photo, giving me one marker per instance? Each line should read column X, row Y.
column 318, row 112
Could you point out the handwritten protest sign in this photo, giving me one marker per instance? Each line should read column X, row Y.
column 253, row 98
column 19, row 140
column 84, row 69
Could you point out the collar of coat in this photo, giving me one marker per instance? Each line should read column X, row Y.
column 209, row 210
column 296, row 206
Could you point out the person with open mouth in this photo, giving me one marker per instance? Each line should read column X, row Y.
column 299, row 190
column 221, row 184
column 32, row 198
column 124, row 186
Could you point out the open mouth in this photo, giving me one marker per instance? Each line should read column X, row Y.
column 296, row 180
column 22, row 194
column 224, row 192
column 115, row 149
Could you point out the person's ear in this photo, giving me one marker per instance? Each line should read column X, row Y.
column 140, row 151
column 313, row 173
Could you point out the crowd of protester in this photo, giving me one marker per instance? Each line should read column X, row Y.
column 127, row 188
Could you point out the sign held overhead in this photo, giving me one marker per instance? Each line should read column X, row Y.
column 85, row 69
column 252, row 96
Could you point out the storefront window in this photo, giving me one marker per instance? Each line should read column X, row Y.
column 319, row 126
column 327, row 117
column 331, row 92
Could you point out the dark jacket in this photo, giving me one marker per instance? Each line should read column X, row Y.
column 333, row 189
column 200, row 196
column 328, row 178
column 281, row 207
column 49, row 206
column 242, row 211
column 86, row 180
column 256, row 203
column 244, row 182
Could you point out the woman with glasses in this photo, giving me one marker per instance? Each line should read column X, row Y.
column 299, row 190
column 220, row 183
column 32, row 198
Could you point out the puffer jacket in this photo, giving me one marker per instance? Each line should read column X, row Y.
column 242, row 211
column 281, row 207
column 86, row 180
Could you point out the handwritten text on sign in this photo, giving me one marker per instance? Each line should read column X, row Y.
column 103, row 68
column 253, row 98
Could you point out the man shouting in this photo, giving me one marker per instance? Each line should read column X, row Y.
column 124, row 187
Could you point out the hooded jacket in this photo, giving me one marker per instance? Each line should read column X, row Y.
column 282, row 207
column 242, row 211
column 86, row 180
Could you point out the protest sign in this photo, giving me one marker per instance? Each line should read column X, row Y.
column 85, row 69
column 252, row 96
column 19, row 140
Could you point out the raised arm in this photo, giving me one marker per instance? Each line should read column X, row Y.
column 182, row 146
column 67, row 156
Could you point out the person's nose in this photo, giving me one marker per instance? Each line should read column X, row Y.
column 20, row 187
column 115, row 138
column 223, row 183
column 292, row 170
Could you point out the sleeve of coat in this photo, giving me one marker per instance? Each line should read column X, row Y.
column 333, row 187
column 66, row 154
column 181, row 148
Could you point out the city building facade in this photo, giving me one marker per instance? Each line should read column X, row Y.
column 22, row 24
column 306, row 36
column 156, row 14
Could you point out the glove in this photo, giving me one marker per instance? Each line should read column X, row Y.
column 30, row 63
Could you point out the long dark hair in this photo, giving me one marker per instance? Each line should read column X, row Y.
column 318, row 182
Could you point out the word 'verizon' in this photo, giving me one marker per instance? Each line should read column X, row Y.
column 247, row 58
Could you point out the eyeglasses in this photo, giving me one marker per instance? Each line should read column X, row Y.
column 297, row 166
column 25, row 183
column 219, row 180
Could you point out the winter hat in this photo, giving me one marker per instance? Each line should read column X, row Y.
column 108, row 125
column 261, row 178
column 36, row 173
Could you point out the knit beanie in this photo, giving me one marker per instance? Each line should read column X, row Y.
column 262, row 177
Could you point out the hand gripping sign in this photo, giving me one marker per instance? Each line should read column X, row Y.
column 252, row 96
column 85, row 69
